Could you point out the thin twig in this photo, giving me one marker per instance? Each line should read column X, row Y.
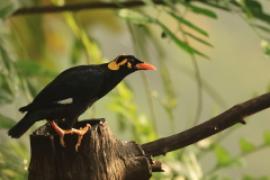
column 232, row 116
column 141, row 51
column 82, row 6
column 197, row 76
column 207, row 87
column 98, row 5
column 150, row 101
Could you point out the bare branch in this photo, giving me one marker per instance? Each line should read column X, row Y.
column 82, row 6
column 232, row 116
column 99, row 5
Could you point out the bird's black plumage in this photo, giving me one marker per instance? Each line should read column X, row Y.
column 81, row 85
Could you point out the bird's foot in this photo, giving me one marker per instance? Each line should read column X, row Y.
column 61, row 132
column 81, row 132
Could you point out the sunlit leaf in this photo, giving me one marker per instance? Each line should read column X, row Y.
column 5, row 58
column 263, row 28
column 223, row 157
column 134, row 16
column 149, row 2
column 179, row 42
column 6, row 122
column 266, row 137
column 76, row 52
column 188, row 23
column 202, row 11
column 254, row 6
column 249, row 177
column 124, row 91
column 139, row 38
column 6, row 93
column 170, row 101
column 31, row 88
column 266, row 47
column 246, row 146
column 255, row 9
column 199, row 39
column 32, row 68
column 222, row 5
column 9, row 172
column 6, row 8
column 214, row 177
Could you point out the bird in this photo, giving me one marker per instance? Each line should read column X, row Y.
column 72, row 92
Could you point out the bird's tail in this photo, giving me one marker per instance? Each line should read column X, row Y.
column 22, row 126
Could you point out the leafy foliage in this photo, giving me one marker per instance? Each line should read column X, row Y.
column 246, row 146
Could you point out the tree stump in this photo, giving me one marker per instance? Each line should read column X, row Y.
column 100, row 156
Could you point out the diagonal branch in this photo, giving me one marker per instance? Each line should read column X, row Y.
column 232, row 116
column 83, row 6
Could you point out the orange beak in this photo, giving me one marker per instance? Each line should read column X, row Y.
column 145, row 66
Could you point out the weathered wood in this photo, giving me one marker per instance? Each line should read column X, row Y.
column 100, row 157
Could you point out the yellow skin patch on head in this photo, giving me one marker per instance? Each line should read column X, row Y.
column 114, row 66
column 129, row 65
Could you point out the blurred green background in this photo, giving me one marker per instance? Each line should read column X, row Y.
column 210, row 56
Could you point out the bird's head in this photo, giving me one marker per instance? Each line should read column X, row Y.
column 128, row 64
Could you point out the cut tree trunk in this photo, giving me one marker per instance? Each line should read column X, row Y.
column 100, row 156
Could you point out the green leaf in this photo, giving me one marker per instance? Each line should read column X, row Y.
column 223, row 157
column 222, row 5
column 6, row 122
column 8, row 172
column 32, row 68
column 266, row 137
column 246, row 146
column 248, row 177
column 6, row 93
column 149, row 2
column 124, row 91
column 254, row 8
column 4, row 57
column 76, row 51
column 200, row 40
column 263, row 28
column 7, row 8
column 188, row 23
column 266, row 47
column 134, row 16
column 202, row 11
column 179, row 42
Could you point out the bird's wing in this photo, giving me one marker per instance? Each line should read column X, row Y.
column 72, row 85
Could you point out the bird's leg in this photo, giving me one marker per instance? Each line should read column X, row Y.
column 61, row 132
column 81, row 132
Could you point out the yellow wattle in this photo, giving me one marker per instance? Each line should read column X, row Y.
column 113, row 66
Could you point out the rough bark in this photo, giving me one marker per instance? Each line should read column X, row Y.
column 100, row 157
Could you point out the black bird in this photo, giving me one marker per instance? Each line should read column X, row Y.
column 72, row 92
